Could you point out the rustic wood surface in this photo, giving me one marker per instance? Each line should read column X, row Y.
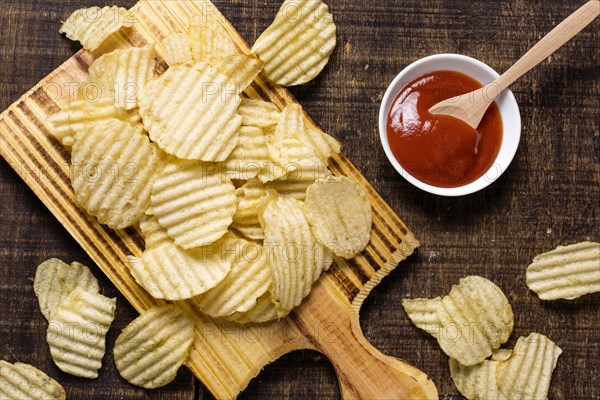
column 549, row 196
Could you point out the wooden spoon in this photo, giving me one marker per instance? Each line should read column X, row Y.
column 471, row 106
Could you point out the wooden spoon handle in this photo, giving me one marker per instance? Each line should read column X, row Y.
column 558, row 36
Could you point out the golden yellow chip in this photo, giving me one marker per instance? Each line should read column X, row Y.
column 527, row 373
column 191, row 111
column 55, row 280
column 291, row 120
column 169, row 272
column 80, row 113
column 210, row 41
column 20, row 381
column 177, row 49
column 77, row 330
column 474, row 319
column 114, row 165
column 152, row 347
column 566, row 272
column 477, row 382
column 154, row 234
column 92, row 26
column 297, row 45
column 423, row 314
column 259, row 113
column 339, row 214
column 120, row 75
column 241, row 69
column 194, row 202
column 265, row 310
column 295, row 257
column 250, row 155
column 253, row 198
column 249, row 279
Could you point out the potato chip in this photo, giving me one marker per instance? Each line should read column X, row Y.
column 152, row 347
column 190, row 111
column 291, row 120
column 169, row 272
column 295, row 257
column 241, row 69
column 339, row 214
column 55, row 280
column 209, row 39
column 423, row 313
column 20, row 381
column 194, row 202
column 120, row 75
column 92, row 26
column 527, row 373
column 265, row 310
column 114, row 165
column 322, row 143
column 297, row 45
column 249, row 279
column 474, row 319
column 81, row 113
column 477, row 382
column 501, row 354
column 259, row 113
column 177, row 49
column 77, row 330
column 566, row 272
column 253, row 198
column 154, row 234
column 250, row 156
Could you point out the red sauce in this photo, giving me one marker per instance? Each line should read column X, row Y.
column 441, row 150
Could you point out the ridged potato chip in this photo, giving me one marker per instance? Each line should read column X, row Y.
column 474, row 319
column 297, row 45
column 209, row 39
column 423, row 314
column 92, row 26
column 339, row 214
column 153, row 346
column 81, row 113
column 250, row 278
column 295, row 257
column 154, row 234
column 566, row 272
column 20, row 381
column 120, row 75
column 250, row 156
column 253, row 198
column 55, row 280
column 169, row 272
column 527, row 373
column 477, row 382
column 177, row 49
column 114, row 165
column 77, row 330
column 265, row 310
column 291, row 120
column 259, row 113
column 191, row 111
column 241, row 69
column 194, row 202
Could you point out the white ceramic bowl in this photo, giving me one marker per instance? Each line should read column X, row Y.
column 509, row 111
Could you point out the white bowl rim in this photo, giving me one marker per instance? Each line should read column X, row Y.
column 508, row 148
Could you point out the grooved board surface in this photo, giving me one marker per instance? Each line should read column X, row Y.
column 547, row 197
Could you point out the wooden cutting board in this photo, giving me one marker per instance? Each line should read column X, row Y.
column 226, row 356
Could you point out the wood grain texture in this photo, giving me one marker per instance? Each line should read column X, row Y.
column 547, row 197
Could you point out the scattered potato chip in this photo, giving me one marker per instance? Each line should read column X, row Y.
column 92, row 26
column 527, row 373
column 250, row 155
column 209, row 39
column 120, row 75
column 474, row 319
column 194, row 202
column 190, row 111
column 177, row 49
column 241, row 69
column 77, row 330
column 80, row 113
column 265, row 310
column 477, row 382
column 501, row 354
column 253, row 198
column 295, row 257
column 339, row 214
column 566, row 272
column 249, row 279
column 55, row 280
column 20, row 381
column 114, row 166
column 153, row 346
column 423, row 313
column 259, row 113
column 323, row 144
column 169, row 272
column 291, row 120
column 297, row 45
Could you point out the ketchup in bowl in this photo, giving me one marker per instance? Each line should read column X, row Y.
column 436, row 149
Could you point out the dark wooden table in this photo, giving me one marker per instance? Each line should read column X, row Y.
column 548, row 196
